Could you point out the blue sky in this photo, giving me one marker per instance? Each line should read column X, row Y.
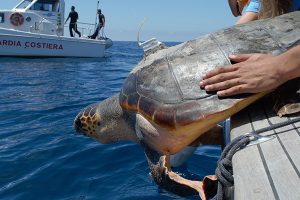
column 168, row 20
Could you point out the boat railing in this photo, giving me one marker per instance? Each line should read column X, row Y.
column 86, row 29
column 38, row 24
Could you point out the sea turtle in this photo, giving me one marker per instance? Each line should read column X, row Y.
column 162, row 106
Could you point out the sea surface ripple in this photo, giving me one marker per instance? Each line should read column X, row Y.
column 41, row 156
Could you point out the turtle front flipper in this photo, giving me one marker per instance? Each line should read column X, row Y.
column 288, row 109
column 172, row 182
column 287, row 98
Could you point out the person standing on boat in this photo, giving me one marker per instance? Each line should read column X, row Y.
column 73, row 15
column 99, row 26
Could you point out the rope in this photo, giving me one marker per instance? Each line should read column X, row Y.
column 224, row 171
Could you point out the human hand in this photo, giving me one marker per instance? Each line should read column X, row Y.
column 253, row 73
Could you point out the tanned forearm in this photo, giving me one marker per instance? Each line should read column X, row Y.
column 290, row 67
column 247, row 17
column 253, row 73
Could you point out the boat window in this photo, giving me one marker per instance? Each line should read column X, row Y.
column 24, row 4
column 56, row 7
column 45, row 5
column 1, row 17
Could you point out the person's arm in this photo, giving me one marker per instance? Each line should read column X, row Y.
column 253, row 73
column 250, row 13
column 103, row 21
column 67, row 19
column 247, row 17
column 291, row 59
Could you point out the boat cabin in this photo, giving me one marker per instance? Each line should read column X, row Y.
column 35, row 16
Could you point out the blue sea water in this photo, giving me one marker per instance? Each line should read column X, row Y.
column 41, row 156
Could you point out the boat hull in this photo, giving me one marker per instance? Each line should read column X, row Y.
column 24, row 44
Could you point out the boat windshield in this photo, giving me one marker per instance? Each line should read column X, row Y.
column 24, row 4
column 46, row 5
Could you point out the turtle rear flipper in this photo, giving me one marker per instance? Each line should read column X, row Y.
column 173, row 182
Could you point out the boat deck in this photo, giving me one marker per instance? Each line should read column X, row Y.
column 269, row 170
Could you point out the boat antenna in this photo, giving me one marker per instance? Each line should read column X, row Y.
column 96, row 15
column 138, row 35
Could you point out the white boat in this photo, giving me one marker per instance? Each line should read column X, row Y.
column 35, row 28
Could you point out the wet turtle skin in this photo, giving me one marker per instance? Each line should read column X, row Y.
column 164, row 86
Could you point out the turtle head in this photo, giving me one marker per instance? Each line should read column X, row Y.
column 106, row 121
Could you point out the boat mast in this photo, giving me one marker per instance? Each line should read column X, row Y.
column 96, row 15
column 61, row 16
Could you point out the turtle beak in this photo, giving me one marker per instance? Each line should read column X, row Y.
column 78, row 125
